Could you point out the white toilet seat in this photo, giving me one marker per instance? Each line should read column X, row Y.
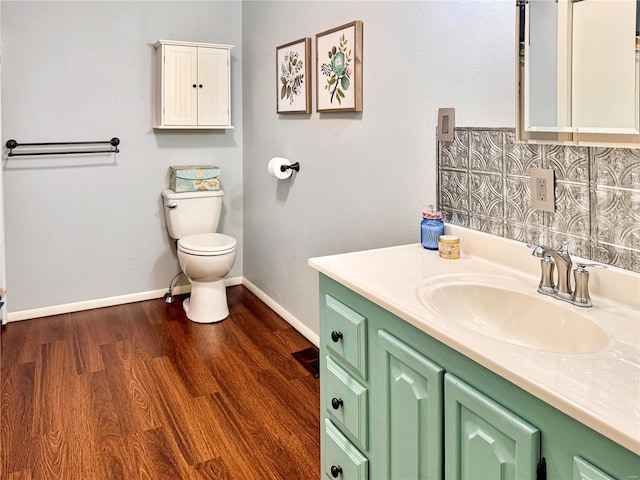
column 207, row 244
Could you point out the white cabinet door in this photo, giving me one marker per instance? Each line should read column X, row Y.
column 213, row 86
column 605, row 79
column 180, row 85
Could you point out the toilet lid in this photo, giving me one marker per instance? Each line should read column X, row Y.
column 207, row 244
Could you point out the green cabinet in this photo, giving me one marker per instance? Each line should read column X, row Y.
column 485, row 440
column 411, row 420
column 413, row 408
column 347, row 402
column 583, row 470
column 340, row 458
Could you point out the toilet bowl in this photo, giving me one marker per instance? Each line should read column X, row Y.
column 206, row 259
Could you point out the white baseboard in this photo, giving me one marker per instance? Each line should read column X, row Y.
column 153, row 294
column 104, row 302
column 276, row 307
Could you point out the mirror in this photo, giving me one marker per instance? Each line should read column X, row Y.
column 546, row 68
column 579, row 67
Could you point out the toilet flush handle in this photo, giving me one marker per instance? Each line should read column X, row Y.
column 172, row 205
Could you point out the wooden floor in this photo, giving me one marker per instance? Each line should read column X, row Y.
column 138, row 392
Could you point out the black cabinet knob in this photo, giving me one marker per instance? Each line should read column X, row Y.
column 336, row 403
column 336, row 336
column 194, row 85
column 336, row 470
column 200, row 85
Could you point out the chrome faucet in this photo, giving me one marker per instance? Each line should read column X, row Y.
column 561, row 259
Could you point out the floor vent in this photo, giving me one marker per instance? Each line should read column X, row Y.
column 308, row 358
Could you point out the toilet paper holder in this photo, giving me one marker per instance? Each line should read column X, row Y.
column 294, row 166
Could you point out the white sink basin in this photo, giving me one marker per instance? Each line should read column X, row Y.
column 509, row 310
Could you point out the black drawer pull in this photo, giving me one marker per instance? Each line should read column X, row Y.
column 336, row 470
column 336, row 336
column 336, row 403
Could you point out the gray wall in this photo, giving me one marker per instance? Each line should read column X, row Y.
column 365, row 177
column 85, row 228
column 92, row 227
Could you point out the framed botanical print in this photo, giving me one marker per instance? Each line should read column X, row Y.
column 293, row 77
column 339, row 69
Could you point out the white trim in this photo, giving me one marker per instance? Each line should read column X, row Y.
column 104, row 302
column 276, row 307
column 153, row 294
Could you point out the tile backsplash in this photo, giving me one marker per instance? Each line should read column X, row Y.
column 483, row 184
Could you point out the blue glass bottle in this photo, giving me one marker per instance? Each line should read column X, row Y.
column 431, row 228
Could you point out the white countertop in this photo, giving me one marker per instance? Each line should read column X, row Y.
column 601, row 389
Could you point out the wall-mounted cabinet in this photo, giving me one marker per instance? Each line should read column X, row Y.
column 193, row 85
column 578, row 72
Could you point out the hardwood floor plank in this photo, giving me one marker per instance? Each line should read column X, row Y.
column 85, row 342
column 264, row 347
column 53, row 377
column 16, row 415
column 142, row 333
column 139, row 392
column 84, row 459
column 128, row 378
column 21, row 475
column 176, row 406
column 114, row 460
column 156, row 459
column 186, row 357
column 214, row 469
column 103, row 420
column 53, row 454
column 236, row 450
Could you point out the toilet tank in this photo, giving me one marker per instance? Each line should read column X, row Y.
column 189, row 213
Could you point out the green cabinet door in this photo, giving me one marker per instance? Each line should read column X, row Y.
column 485, row 440
column 583, row 470
column 411, row 410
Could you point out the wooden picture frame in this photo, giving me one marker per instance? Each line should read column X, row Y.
column 339, row 69
column 293, row 77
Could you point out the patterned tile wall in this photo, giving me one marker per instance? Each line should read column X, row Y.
column 483, row 183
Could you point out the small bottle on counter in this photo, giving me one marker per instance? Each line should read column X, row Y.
column 431, row 228
column 449, row 246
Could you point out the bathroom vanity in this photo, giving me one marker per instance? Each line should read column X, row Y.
column 410, row 390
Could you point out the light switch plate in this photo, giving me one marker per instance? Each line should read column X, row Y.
column 543, row 191
column 446, row 124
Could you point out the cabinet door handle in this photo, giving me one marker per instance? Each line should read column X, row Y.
column 194, row 85
column 336, row 336
column 336, row 403
column 200, row 85
column 336, row 470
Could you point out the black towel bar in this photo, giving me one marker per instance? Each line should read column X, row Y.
column 11, row 144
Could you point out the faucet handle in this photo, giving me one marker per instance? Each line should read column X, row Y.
column 536, row 250
column 581, row 267
column 581, row 296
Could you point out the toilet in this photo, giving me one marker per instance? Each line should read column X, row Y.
column 205, row 257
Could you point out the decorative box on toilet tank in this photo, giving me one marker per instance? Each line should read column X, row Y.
column 194, row 178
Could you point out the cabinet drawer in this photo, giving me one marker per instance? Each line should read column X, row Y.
column 347, row 401
column 346, row 332
column 341, row 459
